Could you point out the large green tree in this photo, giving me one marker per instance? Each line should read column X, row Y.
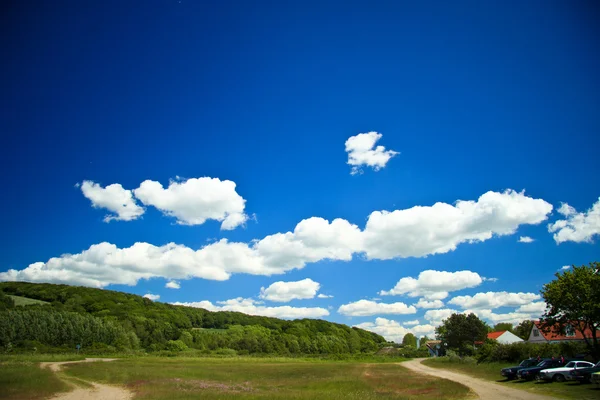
column 573, row 300
column 409, row 340
column 459, row 332
column 503, row 326
column 523, row 330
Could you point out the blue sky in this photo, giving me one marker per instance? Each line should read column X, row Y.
column 260, row 99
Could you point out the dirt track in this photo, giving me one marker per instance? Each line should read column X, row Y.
column 97, row 392
column 484, row 389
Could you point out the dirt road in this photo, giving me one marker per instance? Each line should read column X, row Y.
column 484, row 389
column 96, row 392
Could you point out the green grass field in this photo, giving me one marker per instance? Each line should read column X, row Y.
column 25, row 301
column 491, row 372
column 184, row 378
column 23, row 379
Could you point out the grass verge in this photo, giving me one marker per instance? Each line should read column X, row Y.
column 491, row 372
column 185, row 378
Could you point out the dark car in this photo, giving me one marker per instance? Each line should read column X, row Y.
column 511, row 372
column 531, row 372
column 583, row 374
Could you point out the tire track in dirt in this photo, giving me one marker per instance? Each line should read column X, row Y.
column 484, row 389
column 96, row 392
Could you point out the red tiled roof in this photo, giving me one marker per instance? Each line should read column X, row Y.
column 554, row 332
column 495, row 335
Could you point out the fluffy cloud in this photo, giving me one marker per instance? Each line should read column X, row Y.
column 566, row 267
column 421, row 231
column 576, row 227
column 435, row 317
column 491, row 300
column 429, row 304
column 253, row 307
column 194, row 201
column 403, row 234
column 152, row 297
column 114, row 198
column 413, row 322
column 393, row 331
column 512, row 317
column 526, row 239
column 537, row 308
column 368, row 307
column 173, row 285
column 324, row 296
column 434, row 285
column 286, row 291
column 362, row 152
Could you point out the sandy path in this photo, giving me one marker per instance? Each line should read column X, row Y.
column 97, row 392
column 484, row 389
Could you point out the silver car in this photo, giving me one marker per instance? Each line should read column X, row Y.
column 560, row 374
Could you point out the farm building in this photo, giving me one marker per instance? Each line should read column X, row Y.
column 539, row 334
column 504, row 337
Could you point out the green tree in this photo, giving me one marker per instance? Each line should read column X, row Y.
column 573, row 300
column 459, row 332
column 6, row 302
column 523, row 330
column 503, row 326
column 409, row 340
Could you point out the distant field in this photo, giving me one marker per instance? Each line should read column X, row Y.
column 25, row 301
column 491, row 372
column 177, row 378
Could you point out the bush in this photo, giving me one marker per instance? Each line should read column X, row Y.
column 225, row 352
column 176, row 346
column 516, row 352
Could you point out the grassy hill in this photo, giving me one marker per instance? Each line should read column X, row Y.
column 25, row 301
column 70, row 315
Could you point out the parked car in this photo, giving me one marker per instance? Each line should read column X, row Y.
column 596, row 378
column 511, row 372
column 560, row 374
column 583, row 374
column 532, row 372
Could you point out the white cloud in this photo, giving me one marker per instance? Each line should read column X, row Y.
column 526, row 239
column 312, row 240
column 413, row 322
column 173, row 285
column 253, row 307
column 324, row 296
column 393, row 331
column 434, row 285
column 577, row 226
column 286, row 291
column 368, row 307
column 421, row 231
column 362, row 152
column 491, row 300
column 152, row 297
column 435, row 317
column 512, row 317
column 114, row 198
column 195, row 200
column 537, row 308
column 429, row 304
column 566, row 267
column 489, row 279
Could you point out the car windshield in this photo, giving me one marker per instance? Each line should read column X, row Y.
column 597, row 365
column 527, row 363
column 545, row 364
column 570, row 364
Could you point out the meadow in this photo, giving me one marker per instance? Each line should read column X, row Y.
column 491, row 372
column 177, row 378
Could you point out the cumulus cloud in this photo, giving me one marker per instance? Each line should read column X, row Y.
column 429, row 304
column 413, row 322
column 114, row 198
column 403, row 234
column 393, row 331
column 537, row 308
column 577, row 226
column 324, row 296
column 435, row 317
column 253, row 307
column 196, row 200
column 173, row 285
column 152, row 297
column 421, row 231
column 434, row 285
column 526, row 239
column 286, row 291
column 491, row 300
column 368, row 307
column 362, row 152
column 511, row 317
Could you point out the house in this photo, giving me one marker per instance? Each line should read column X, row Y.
column 434, row 347
column 504, row 337
column 555, row 335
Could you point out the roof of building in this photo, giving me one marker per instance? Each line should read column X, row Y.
column 554, row 333
column 495, row 335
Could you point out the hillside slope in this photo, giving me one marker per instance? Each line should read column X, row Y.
column 133, row 321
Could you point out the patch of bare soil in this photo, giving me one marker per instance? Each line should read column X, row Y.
column 96, row 392
column 484, row 389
